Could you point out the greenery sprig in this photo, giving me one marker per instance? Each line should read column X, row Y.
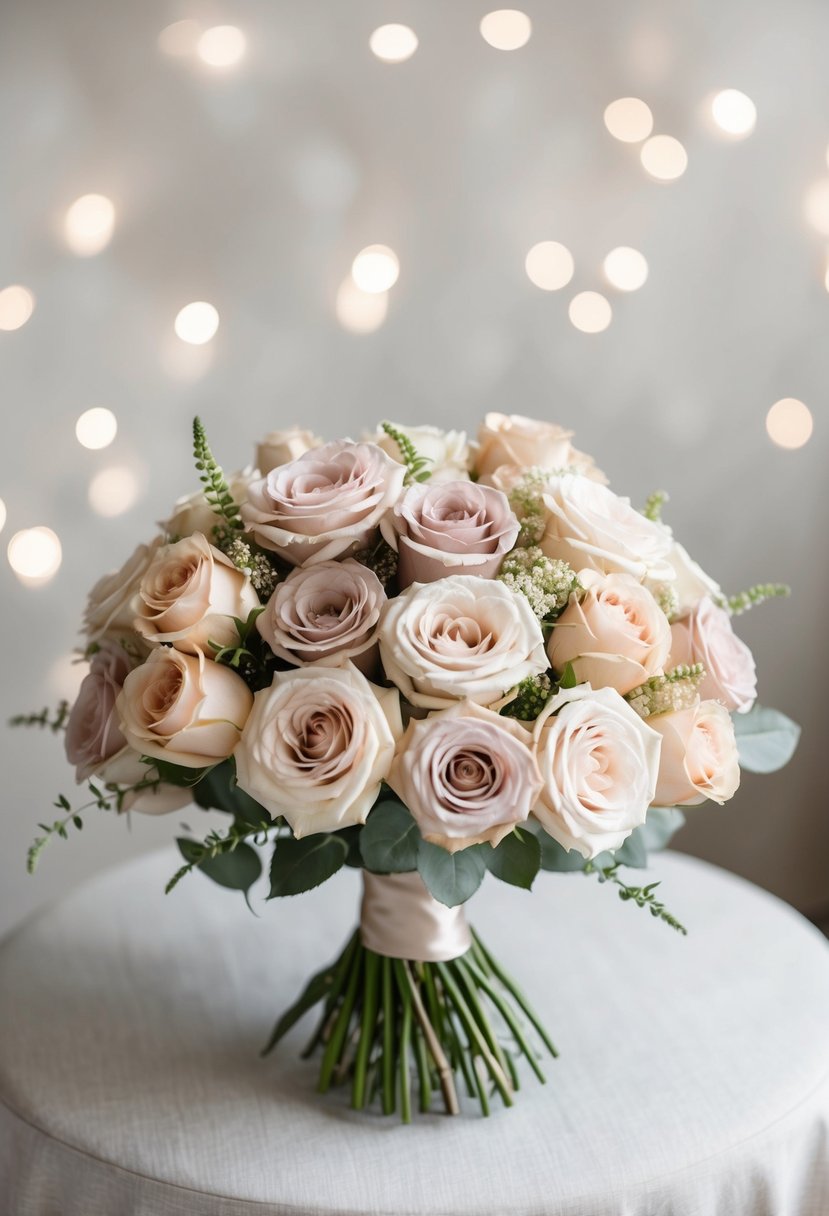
column 758, row 594
column 643, row 897
column 216, row 490
column 216, row 846
column 55, row 719
column 417, row 469
column 652, row 509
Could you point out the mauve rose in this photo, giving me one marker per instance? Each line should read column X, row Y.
column 323, row 613
column 317, row 746
column 699, row 755
column 278, row 447
column 615, row 635
column 189, row 595
column 447, row 452
column 325, row 504
column 461, row 637
column 183, row 709
column 599, row 764
column 453, row 528
column 590, row 526
column 467, row 775
column 109, row 606
column 93, row 735
column 706, row 636
column 511, row 441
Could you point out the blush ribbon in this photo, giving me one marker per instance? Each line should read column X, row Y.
column 399, row 918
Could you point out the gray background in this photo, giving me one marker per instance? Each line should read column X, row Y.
column 255, row 188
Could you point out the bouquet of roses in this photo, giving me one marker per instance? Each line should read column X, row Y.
column 432, row 660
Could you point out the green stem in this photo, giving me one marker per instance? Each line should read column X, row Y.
column 405, row 1039
column 339, row 1030
column 424, row 1079
column 509, row 1017
column 369, row 1019
column 388, row 1039
column 466, row 982
column 513, row 988
column 474, row 1033
column 338, row 982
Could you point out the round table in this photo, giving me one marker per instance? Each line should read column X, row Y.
column 693, row 1078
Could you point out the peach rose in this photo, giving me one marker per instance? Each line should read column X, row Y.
column 317, row 746
column 452, row 528
column 325, row 504
column 699, row 755
column 599, row 764
column 467, row 775
column 706, row 636
column 280, row 447
column 180, row 708
column 446, row 451
column 109, row 606
column 189, row 595
column 511, row 441
column 615, row 636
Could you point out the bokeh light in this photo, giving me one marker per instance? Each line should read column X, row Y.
column 360, row 312
column 817, row 206
column 89, row 223
column 629, row 119
column 65, row 676
column 35, row 555
column 180, row 39
column 197, row 323
column 664, row 158
column 375, row 268
column 625, row 269
column 393, row 43
column 549, row 265
column 96, row 428
column 221, row 46
column 16, row 306
column 506, row 29
column 789, row 423
column 734, row 113
column 113, row 490
column 590, row 312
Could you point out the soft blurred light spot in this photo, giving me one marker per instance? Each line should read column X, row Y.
column 590, row 312
column 35, row 555
column 66, row 675
column 629, row 119
column 180, row 39
column 114, row 490
column 789, row 423
column 664, row 158
column 817, row 206
column 549, row 265
column 2, row 515
column 393, row 43
column 506, row 29
column 197, row 323
column 826, row 276
column 360, row 312
column 16, row 306
column 625, row 269
column 375, row 268
column 89, row 224
column 96, row 428
column 222, row 46
column 734, row 113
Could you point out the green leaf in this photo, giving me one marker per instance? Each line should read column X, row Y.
column 175, row 774
column 389, row 840
column 236, row 868
column 632, row 852
column 351, row 836
column 568, row 677
column 451, row 877
column 317, row 987
column 218, row 789
column 299, row 865
column 661, row 824
column 516, row 860
column 766, row 739
column 554, row 856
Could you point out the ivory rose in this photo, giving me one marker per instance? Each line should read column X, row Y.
column 699, row 755
column 689, row 582
column 109, row 606
column 461, row 637
column 183, row 709
column 705, row 636
column 279, row 447
column 615, row 635
column 446, row 451
column 323, row 613
column 511, row 441
column 193, row 513
column 589, row 526
column 599, row 762
column 453, row 528
column 317, row 746
column 189, row 595
column 467, row 775
column 325, row 504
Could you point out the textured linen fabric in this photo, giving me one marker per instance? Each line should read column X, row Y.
column 693, row 1078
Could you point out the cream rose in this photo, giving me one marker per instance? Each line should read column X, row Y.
column 706, row 636
column 324, row 613
column 461, row 637
column 446, row 451
column 615, row 635
column 588, row 525
column 699, row 755
column 280, row 447
column 512, row 442
column 183, row 709
column 193, row 513
column 599, row 764
column 453, row 528
column 317, row 746
column 189, row 595
column 109, row 607
column 325, row 504
column 689, row 582
column 467, row 775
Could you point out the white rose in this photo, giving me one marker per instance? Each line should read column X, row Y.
column 699, row 755
column 109, row 606
column 459, row 637
column 599, row 763
column 279, row 447
column 447, row 451
column 193, row 513
column 509, row 444
column 317, row 746
column 689, row 581
column 589, row 526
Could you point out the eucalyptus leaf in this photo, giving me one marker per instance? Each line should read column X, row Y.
column 661, row 824
column 175, row 774
column 389, row 840
column 218, row 789
column 236, row 868
column 632, row 852
column 766, row 739
column 300, row 865
column 553, row 855
column 451, row 877
column 516, row 860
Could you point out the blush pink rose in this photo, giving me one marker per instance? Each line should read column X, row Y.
column 699, row 755
column 467, row 775
column 615, row 635
column 325, row 504
column 512, row 442
column 93, row 734
column 706, row 636
column 456, row 527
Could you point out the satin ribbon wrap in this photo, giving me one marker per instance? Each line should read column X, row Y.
column 399, row 918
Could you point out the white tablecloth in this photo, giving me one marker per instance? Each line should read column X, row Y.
column 693, row 1079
